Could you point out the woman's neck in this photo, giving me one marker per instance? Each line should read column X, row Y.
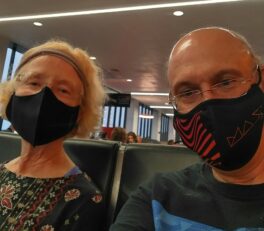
column 44, row 161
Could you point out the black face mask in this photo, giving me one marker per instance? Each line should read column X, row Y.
column 224, row 132
column 41, row 118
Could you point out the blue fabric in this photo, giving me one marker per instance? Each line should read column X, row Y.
column 74, row 171
column 165, row 221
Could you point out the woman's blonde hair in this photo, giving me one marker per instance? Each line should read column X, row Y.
column 94, row 94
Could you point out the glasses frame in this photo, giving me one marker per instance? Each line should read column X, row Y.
column 172, row 98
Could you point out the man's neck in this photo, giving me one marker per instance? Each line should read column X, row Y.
column 251, row 173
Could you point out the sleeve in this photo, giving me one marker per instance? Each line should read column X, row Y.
column 136, row 214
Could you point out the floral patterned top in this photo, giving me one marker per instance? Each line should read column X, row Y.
column 68, row 203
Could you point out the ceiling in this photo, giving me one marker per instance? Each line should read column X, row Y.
column 130, row 45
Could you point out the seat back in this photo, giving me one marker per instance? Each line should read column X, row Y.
column 141, row 161
column 96, row 158
column 9, row 146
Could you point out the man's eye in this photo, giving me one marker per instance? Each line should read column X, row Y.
column 187, row 94
column 227, row 83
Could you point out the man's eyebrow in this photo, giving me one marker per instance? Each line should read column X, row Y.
column 216, row 76
column 229, row 71
column 185, row 83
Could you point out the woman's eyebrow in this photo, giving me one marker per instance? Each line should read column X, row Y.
column 29, row 75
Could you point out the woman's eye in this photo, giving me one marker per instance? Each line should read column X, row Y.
column 34, row 84
column 64, row 91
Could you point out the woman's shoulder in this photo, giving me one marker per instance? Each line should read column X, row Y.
column 84, row 185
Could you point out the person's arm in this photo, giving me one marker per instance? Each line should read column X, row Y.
column 136, row 214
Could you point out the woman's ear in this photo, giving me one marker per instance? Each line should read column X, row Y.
column 262, row 77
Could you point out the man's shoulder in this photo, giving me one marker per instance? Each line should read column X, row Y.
column 188, row 174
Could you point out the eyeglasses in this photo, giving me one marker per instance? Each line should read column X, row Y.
column 229, row 88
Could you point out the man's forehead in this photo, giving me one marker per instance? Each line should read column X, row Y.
column 204, row 50
column 208, row 38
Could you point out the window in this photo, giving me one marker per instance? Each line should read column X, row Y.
column 164, row 128
column 145, row 121
column 114, row 116
column 13, row 56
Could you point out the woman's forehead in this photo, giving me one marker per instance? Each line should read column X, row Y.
column 47, row 65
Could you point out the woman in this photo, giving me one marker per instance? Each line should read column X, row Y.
column 55, row 93
column 131, row 138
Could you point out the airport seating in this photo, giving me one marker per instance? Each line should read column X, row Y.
column 142, row 161
column 116, row 169
column 9, row 146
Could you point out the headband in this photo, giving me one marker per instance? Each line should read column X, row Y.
column 58, row 54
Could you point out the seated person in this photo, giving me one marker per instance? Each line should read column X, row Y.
column 131, row 138
column 139, row 139
column 171, row 142
column 118, row 134
column 217, row 96
column 55, row 93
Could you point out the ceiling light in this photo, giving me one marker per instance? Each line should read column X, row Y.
column 115, row 10
column 146, row 116
column 161, row 107
column 37, row 23
column 149, row 93
column 178, row 13
column 92, row 57
column 169, row 114
column 129, row 80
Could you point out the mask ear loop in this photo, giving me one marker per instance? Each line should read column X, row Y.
column 259, row 75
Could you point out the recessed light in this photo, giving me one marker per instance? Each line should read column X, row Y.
column 149, row 93
column 37, row 23
column 129, row 80
column 178, row 13
column 161, row 107
column 92, row 57
column 146, row 116
column 116, row 10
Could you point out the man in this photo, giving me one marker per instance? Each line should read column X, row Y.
column 217, row 94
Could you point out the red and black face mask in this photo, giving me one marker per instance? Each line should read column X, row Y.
column 224, row 132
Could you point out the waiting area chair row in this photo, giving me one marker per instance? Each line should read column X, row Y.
column 116, row 169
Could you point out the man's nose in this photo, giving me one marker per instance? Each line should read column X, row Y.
column 208, row 94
